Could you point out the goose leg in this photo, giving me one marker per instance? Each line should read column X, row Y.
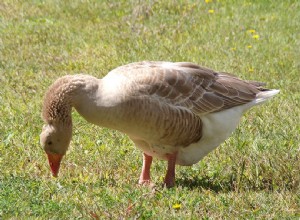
column 145, row 175
column 170, row 176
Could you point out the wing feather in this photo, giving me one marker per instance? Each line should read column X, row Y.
column 187, row 85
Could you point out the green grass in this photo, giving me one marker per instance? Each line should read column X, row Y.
column 253, row 175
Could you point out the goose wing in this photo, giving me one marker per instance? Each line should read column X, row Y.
column 189, row 86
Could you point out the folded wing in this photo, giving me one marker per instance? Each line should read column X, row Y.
column 187, row 85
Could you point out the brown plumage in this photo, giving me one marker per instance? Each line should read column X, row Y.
column 174, row 111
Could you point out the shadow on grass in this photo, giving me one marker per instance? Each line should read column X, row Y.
column 231, row 184
column 206, row 183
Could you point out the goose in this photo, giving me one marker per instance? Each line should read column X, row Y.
column 174, row 111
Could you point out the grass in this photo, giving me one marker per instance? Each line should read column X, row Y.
column 253, row 175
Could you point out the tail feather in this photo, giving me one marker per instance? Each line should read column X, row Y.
column 265, row 95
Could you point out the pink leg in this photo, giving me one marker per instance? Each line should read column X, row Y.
column 145, row 175
column 170, row 176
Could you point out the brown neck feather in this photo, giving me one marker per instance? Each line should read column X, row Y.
column 58, row 101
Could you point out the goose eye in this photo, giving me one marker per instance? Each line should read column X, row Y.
column 49, row 142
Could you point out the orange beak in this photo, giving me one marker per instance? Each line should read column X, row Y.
column 54, row 162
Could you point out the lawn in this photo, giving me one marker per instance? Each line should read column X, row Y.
column 255, row 174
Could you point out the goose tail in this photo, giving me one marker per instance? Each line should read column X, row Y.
column 263, row 96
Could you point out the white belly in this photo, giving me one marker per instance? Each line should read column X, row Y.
column 217, row 127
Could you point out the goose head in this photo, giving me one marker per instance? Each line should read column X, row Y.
column 55, row 140
column 58, row 102
column 57, row 132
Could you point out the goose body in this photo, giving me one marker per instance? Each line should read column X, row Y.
column 177, row 112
